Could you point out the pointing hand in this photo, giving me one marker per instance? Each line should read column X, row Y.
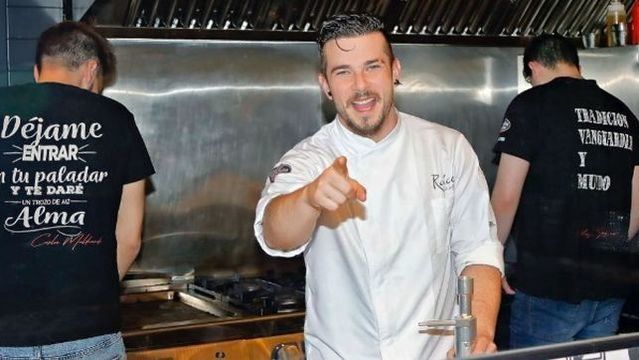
column 334, row 187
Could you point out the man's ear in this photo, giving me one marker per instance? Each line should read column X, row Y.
column 396, row 68
column 89, row 74
column 36, row 73
column 324, row 84
column 534, row 66
column 98, row 85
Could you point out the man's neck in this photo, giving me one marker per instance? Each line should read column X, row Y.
column 59, row 76
column 565, row 70
column 55, row 71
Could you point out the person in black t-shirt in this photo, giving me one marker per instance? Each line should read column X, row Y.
column 568, row 171
column 72, row 174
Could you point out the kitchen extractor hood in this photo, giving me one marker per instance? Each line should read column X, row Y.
column 428, row 20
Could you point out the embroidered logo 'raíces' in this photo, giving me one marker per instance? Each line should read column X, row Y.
column 443, row 182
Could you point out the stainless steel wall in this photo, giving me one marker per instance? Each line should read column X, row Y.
column 216, row 116
column 616, row 70
column 466, row 88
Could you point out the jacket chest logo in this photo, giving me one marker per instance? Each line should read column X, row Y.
column 443, row 182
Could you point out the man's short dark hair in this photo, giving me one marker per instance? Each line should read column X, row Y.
column 349, row 25
column 72, row 43
column 550, row 50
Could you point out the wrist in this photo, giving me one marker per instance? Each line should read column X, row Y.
column 485, row 335
column 306, row 199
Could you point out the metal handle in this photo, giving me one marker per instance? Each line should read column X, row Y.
column 465, row 324
column 465, row 332
column 437, row 323
column 287, row 351
column 465, row 295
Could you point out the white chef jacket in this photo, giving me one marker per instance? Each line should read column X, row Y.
column 377, row 268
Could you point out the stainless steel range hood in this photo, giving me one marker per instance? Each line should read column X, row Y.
column 407, row 20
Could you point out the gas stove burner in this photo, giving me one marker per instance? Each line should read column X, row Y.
column 254, row 296
column 288, row 303
column 249, row 286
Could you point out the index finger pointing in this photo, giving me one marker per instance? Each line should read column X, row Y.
column 340, row 166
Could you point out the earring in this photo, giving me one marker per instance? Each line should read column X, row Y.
column 397, row 82
column 329, row 93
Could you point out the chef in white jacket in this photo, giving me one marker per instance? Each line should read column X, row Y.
column 388, row 209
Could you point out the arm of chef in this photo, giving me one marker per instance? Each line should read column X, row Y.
column 282, row 193
column 476, row 251
column 128, row 229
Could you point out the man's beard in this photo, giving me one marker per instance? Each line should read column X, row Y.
column 367, row 128
column 364, row 130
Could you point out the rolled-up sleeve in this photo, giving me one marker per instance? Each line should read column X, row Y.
column 473, row 227
column 294, row 170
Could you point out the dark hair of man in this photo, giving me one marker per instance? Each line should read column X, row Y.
column 550, row 50
column 349, row 25
column 72, row 43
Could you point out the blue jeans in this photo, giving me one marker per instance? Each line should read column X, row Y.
column 539, row 321
column 103, row 347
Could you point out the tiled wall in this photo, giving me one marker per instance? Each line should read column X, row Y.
column 25, row 20
column 21, row 23
column 4, row 66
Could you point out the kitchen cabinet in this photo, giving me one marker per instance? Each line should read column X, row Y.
column 250, row 349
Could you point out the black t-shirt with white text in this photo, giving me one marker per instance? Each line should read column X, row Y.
column 572, row 221
column 66, row 153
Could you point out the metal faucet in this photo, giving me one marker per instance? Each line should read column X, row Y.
column 465, row 324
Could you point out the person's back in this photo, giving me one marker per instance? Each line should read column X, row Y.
column 573, row 215
column 567, row 170
column 63, row 150
column 72, row 171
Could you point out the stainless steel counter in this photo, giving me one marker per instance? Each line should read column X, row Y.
column 201, row 330
column 184, row 314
